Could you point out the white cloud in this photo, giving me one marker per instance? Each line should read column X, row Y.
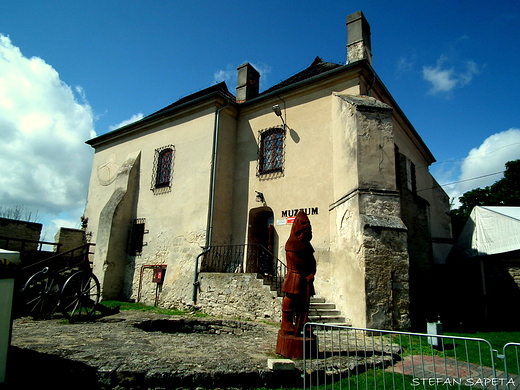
column 224, row 75
column 445, row 79
column 45, row 163
column 132, row 119
column 404, row 65
column 478, row 167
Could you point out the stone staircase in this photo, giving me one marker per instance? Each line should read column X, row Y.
column 320, row 311
column 325, row 313
column 273, row 283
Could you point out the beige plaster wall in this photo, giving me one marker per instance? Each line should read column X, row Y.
column 332, row 154
column 307, row 179
column 175, row 221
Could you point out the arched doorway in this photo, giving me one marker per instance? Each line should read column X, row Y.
column 261, row 238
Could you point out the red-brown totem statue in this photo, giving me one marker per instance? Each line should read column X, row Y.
column 298, row 287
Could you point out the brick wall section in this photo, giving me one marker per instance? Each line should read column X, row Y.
column 70, row 238
column 515, row 274
column 239, row 296
column 20, row 230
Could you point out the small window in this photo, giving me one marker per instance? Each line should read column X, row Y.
column 137, row 237
column 163, row 169
column 271, row 152
column 411, row 176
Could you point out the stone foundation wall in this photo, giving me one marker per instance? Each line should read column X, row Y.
column 238, row 296
column 69, row 238
column 21, row 230
column 515, row 274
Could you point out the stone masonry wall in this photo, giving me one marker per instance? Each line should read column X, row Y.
column 238, row 296
column 69, row 238
column 22, row 230
column 514, row 272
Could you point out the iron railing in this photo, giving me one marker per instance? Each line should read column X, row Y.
column 245, row 258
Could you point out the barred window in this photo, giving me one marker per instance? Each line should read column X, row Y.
column 163, row 168
column 137, row 237
column 271, row 153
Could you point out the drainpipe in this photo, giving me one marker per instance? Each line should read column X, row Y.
column 196, row 283
column 209, row 234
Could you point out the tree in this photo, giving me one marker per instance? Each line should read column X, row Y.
column 20, row 213
column 504, row 192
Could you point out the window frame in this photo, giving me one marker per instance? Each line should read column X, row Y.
column 271, row 152
column 163, row 170
column 136, row 242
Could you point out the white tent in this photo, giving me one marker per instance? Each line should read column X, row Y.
column 9, row 256
column 489, row 230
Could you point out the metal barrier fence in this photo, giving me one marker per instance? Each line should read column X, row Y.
column 511, row 356
column 356, row 358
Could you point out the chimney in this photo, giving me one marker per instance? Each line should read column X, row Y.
column 358, row 38
column 248, row 84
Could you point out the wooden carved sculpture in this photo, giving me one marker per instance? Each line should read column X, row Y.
column 298, row 287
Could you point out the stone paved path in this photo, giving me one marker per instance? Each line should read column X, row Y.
column 447, row 373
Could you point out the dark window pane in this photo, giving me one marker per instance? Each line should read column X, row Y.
column 164, row 167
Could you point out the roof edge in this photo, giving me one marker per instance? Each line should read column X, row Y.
column 134, row 126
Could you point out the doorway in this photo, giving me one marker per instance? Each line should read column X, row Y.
column 261, row 238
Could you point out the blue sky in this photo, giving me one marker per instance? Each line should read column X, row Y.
column 69, row 70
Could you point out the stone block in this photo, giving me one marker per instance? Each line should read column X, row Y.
column 280, row 364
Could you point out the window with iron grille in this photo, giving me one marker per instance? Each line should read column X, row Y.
column 137, row 237
column 163, row 169
column 271, row 151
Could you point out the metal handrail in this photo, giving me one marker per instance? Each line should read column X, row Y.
column 254, row 257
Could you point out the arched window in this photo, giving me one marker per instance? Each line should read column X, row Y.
column 163, row 167
column 271, row 156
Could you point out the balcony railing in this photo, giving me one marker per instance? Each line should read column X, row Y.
column 249, row 258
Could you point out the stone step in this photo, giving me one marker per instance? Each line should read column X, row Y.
column 322, row 306
column 328, row 320
column 272, row 289
column 271, row 279
column 324, row 313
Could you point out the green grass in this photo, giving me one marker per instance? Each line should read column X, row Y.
column 471, row 351
column 467, row 351
column 375, row 380
column 497, row 341
column 153, row 309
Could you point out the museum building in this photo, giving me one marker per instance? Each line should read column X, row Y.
column 192, row 203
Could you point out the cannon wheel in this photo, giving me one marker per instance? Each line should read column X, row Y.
column 80, row 296
column 41, row 294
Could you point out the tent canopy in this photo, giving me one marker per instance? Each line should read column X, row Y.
column 10, row 256
column 489, row 230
